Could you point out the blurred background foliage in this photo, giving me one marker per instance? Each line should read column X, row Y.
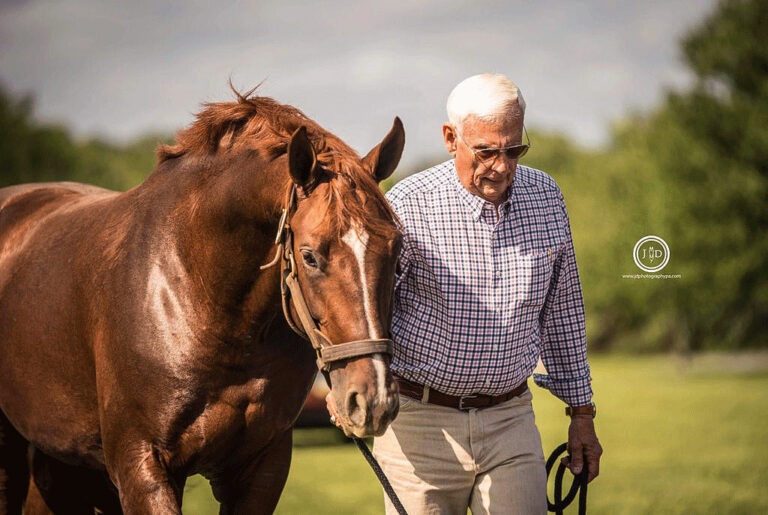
column 35, row 152
column 693, row 171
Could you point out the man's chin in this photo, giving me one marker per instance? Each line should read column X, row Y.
column 494, row 195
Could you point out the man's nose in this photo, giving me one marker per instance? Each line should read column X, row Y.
column 502, row 164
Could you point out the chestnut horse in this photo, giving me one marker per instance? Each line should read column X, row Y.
column 142, row 341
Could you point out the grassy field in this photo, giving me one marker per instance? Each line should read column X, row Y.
column 680, row 436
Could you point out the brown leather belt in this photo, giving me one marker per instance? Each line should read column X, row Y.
column 417, row 391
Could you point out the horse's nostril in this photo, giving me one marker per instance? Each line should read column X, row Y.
column 393, row 405
column 356, row 408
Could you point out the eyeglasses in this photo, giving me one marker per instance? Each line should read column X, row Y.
column 489, row 155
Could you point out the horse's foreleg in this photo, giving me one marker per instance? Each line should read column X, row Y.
column 142, row 478
column 255, row 488
column 14, row 471
column 57, row 487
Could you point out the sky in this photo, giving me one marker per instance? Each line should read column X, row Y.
column 119, row 69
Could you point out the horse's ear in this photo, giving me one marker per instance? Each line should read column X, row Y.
column 302, row 160
column 383, row 158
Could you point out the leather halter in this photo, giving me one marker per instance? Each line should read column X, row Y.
column 327, row 352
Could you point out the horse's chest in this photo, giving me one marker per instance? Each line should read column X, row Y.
column 239, row 407
column 245, row 416
column 223, row 421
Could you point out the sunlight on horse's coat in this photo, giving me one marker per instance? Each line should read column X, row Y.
column 170, row 312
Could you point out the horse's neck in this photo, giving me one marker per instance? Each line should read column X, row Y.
column 222, row 231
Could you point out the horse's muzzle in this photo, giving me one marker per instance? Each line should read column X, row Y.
column 366, row 408
column 370, row 417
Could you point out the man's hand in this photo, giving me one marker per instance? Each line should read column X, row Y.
column 330, row 403
column 583, row 445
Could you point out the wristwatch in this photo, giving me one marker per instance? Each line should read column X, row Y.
column 589, row 409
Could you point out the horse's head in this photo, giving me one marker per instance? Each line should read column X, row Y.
column 345, row 245
column 337, row 238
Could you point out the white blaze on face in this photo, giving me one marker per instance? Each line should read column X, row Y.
column 357, row 240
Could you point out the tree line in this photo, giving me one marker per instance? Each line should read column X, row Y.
column 693, row 171
column 34, row 152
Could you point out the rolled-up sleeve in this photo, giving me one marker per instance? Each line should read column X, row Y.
column 563, row 331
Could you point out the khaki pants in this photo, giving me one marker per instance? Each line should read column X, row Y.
column 442, row 460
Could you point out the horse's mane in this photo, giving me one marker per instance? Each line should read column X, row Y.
column 264, row 124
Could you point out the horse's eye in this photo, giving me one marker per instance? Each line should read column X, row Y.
column 309, row 259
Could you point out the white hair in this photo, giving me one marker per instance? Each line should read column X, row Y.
column 487, row 96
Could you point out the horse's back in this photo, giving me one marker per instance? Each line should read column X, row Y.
column 26, row 199
column 9, row 193
column 25, row 207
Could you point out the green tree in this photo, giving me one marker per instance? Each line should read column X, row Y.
column 118, row 167
column 35, row 152
column 713, row 143
column 695, row 172
column 30, row 152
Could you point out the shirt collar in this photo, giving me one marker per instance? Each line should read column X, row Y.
column 476, row 204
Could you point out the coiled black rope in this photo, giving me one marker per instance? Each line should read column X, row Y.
column 579, row 484
column 380, row 474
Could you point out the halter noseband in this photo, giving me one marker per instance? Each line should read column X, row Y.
column 327, row 352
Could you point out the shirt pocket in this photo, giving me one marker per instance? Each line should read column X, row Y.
column 536, row 273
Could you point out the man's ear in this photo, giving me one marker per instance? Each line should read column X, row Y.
column 450, row 138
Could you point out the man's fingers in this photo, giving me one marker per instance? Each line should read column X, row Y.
column 584, row 445
column 576, row 458
column 593, row 465
column 593, row 462
column 594, row 469
column 330, row 404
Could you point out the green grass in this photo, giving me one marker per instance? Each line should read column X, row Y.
column 680, row 436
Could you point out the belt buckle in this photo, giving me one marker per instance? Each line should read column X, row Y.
column 461, row 401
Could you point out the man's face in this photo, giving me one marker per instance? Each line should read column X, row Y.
column 488, row 179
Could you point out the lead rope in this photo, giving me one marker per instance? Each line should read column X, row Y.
column 579, row 485
column 380, row 474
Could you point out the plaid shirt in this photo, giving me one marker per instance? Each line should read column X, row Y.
column 480, row 295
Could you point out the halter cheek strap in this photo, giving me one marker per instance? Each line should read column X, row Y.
column 327, row 352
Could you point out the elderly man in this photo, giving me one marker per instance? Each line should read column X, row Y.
column 487, row 284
